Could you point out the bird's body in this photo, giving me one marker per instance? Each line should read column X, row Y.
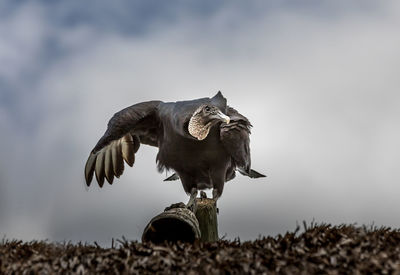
column 204, row 141
column 198, row 164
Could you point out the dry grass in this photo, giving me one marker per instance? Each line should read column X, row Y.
column 321, row 249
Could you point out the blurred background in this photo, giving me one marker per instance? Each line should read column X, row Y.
column 319, row 80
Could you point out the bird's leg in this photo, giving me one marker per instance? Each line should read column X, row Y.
column 192, row 204
column 216, row 194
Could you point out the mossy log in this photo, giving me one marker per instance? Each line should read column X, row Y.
column 174, row 224
column 178, row 223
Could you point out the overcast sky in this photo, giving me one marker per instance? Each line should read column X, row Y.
column 319, row 80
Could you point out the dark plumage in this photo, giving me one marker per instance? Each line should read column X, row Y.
column 204, row 141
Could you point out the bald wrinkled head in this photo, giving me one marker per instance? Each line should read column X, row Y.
column 203, row 119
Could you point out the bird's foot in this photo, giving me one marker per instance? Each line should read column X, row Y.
column 192, row 204
column 175, row 205
column 215, row 195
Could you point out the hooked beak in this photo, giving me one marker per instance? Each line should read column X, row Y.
column 223, row 117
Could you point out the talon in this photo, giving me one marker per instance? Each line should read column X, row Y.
column 192, row 207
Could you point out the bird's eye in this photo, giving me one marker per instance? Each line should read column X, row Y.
column 207, row 109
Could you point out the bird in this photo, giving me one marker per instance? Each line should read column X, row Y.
column 204, row 141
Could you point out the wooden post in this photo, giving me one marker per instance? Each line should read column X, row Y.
column 206, row 214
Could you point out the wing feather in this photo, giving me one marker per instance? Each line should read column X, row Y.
column 108, row 166
column 100, row 168
column 117, row 160
column 235, row 138
column 128, row 151
column 122, row 140
column 89, row 168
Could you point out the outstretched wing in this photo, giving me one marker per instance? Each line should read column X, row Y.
column 235, row 138
column 128, row 128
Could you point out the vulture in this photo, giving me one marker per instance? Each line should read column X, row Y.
column 204, row 141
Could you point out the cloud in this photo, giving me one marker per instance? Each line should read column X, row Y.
column 19, row 43
column 321, row 92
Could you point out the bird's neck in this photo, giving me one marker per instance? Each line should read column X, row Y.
column 197, row 128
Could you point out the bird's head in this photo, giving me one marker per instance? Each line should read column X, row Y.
column 203, row 119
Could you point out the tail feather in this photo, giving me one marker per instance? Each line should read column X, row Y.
column 174, row 176
column 252, row 174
